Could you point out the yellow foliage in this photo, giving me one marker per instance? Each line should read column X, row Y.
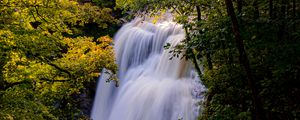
column 46, row 64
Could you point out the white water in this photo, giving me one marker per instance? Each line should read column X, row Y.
column 152, row 87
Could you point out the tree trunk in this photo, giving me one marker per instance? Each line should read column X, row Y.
column 244, row 62
column 256, row 11
column 198, row 13
column 208, row 58
column 240, row 6
column 271, row 9
column 194, row 59
column 294, row 15
column 282, row 27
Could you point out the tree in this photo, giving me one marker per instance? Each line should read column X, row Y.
column 46, row 62
column 243, row 58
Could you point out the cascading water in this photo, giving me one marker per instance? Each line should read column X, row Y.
column 152, row 87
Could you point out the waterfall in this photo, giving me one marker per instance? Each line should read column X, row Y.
column 152, row 86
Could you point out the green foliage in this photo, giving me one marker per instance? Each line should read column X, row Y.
column 268, row 54
column 104, row 3
column 46, row 59
column 18, row 102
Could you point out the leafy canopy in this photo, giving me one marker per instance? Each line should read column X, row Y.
column 45, row 62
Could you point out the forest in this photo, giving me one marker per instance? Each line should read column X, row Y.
column 245, row 53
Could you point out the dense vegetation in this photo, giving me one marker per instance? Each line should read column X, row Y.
column 51, row 52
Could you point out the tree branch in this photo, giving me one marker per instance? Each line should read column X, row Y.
column 55, row 66
column 53, row 80
column 5, row 85
column 244, row 61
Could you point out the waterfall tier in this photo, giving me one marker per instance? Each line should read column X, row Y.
column 152, row 87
